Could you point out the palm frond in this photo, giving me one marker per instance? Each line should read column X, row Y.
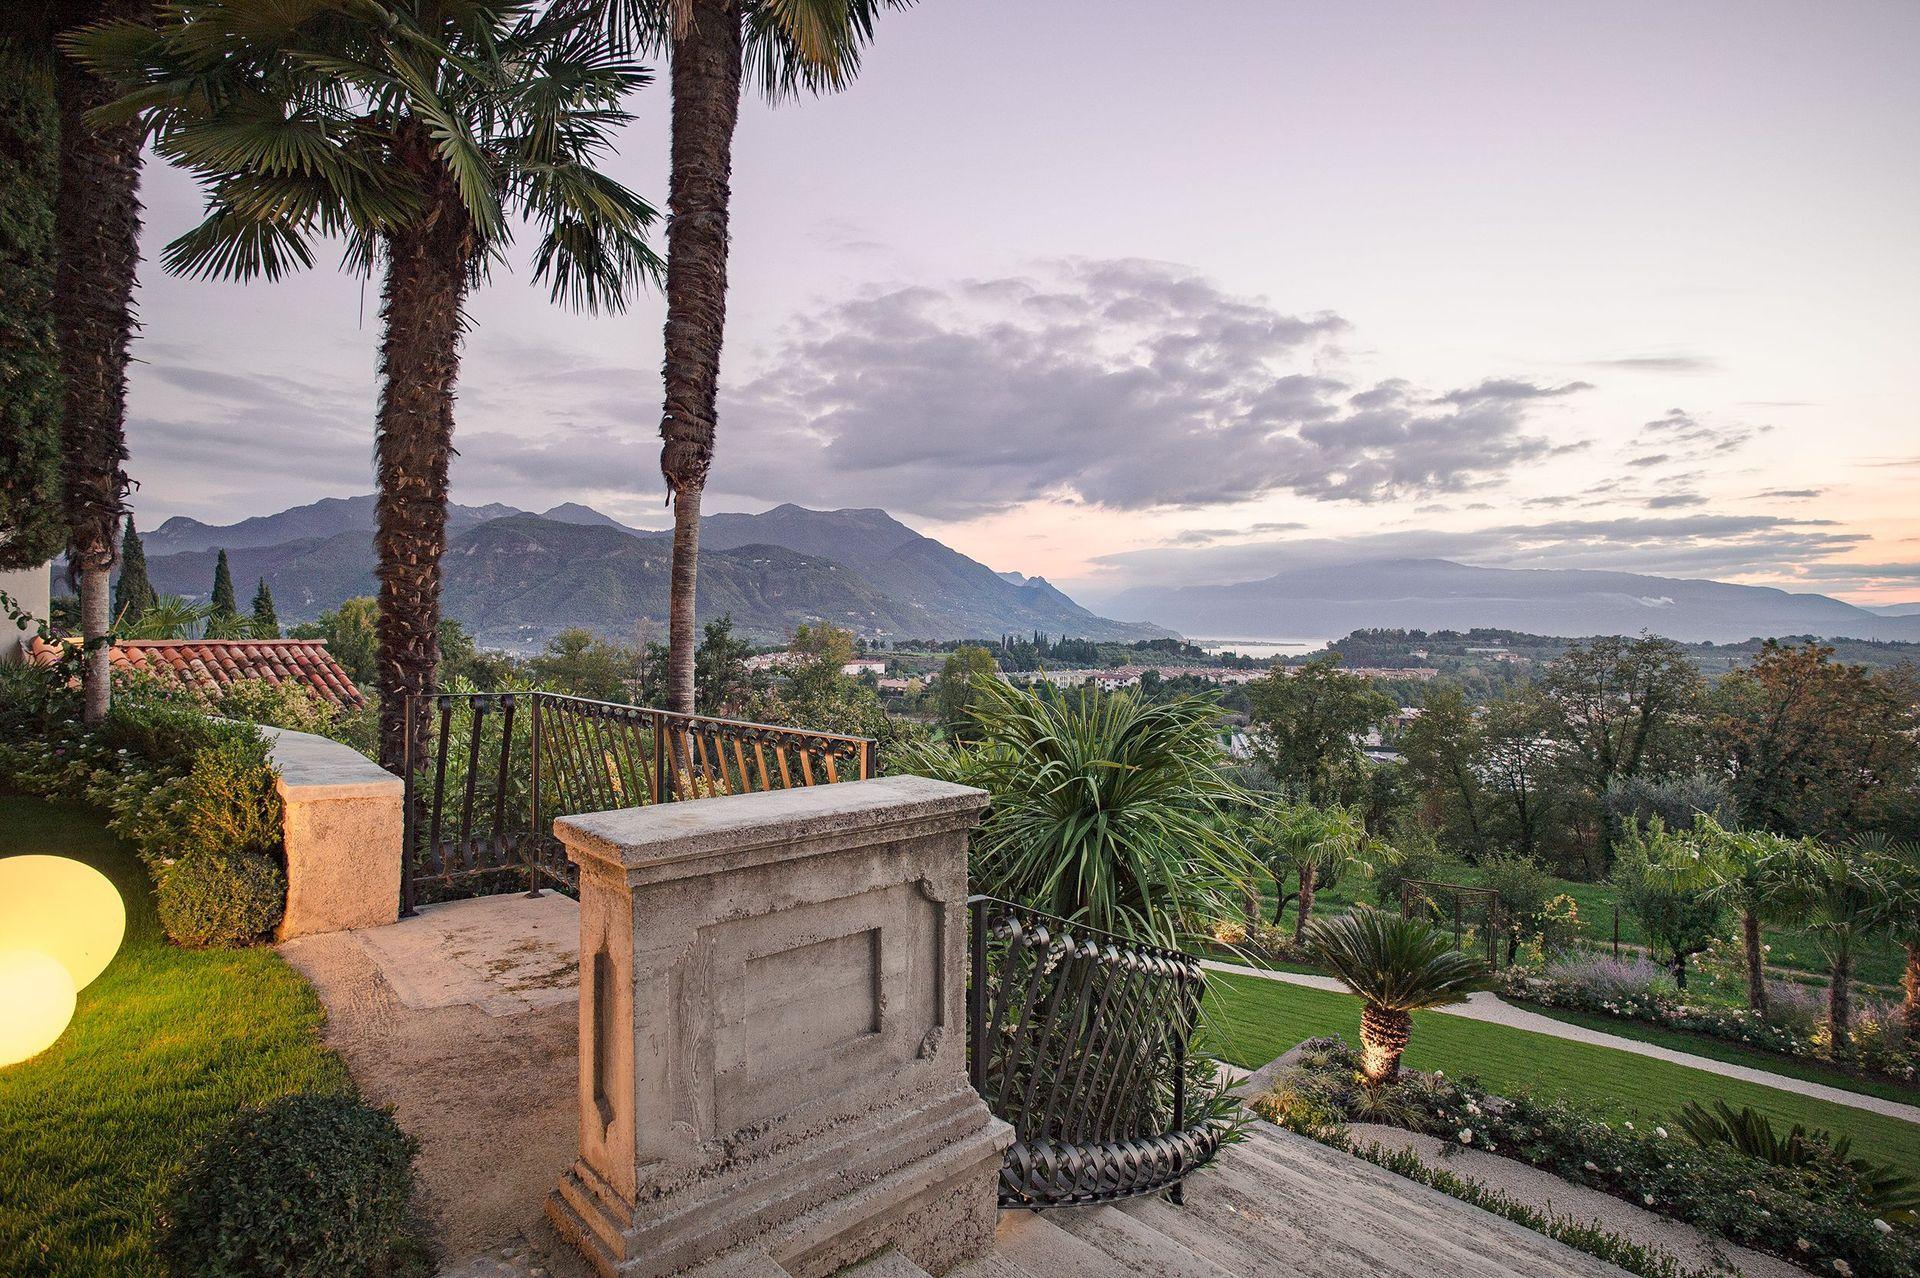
column 1397, row 964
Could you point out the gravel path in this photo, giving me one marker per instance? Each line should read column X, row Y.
column 1487, row 1006
column 1547, row 1192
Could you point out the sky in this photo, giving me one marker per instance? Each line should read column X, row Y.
column 1121, row 301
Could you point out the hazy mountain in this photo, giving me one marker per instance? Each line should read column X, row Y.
column 1894, row 610
column 1436, row 594
column 322, row 519
column 515, row 579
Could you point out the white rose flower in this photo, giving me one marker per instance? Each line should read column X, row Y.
column 1647, row 1199
column 1590, row 1165
column 1882, row 1225
column 1803, row 1244
column 1842, row 1268
column 1466, row 1136
column 1661, row 1132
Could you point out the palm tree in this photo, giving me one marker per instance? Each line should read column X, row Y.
column 1899, row 862
column 1840, row 895
column 1106, row 809
column 787, row 47
column 416, row 130
column 1749, row 871
column 1308, row 841
column 97, row 243
column 1398, row 967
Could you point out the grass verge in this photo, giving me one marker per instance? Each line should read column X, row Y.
column 165, row 1045
column 1251, row 1021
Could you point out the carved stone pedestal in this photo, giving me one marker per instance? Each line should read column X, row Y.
column 772, row 1035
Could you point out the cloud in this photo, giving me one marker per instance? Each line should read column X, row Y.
column 1677, row 363
column 1688, row 437
column 1794, row 494
column 1671, row 501
column 1126, row 384
column 1699, row 544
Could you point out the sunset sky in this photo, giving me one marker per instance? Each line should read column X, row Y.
column 1122, row 293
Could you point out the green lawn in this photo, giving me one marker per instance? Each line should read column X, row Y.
column 1251, row 1021
column 165, row 1044
column 1720, row 1049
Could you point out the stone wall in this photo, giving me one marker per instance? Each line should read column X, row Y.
column 343, row 832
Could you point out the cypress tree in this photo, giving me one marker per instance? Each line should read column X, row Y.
column 33, row 523
column 224, row 606
column 266, row 623
column 133, row 593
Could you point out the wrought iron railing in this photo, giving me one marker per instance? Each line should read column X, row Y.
column 1079, row 1040
column 487, row 772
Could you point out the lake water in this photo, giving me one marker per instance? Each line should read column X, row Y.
column 1261, row 649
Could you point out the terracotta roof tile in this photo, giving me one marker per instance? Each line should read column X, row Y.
column 210, row 666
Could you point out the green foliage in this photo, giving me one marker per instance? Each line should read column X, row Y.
column 281, row 705
column 1523, row 892
column 222, row 607
column 133, row 592
column 1676, row 800
column 352, row 635
column 266, row 622
column 307, row 1186
column 1105, row 809
column 1305, row 720
column 953, row 690
column 581, row 664
column 1680, row 916
column 166, row 617
column 1306, row 844
column 178, row 784
column 1393, row 963
column 221, row 898
column 33, row 526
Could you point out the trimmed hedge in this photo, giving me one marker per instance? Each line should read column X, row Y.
column 306, row 1186
column 221, row 899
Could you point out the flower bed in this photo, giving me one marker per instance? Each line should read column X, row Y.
column 1820, row 1216
column 1632, row 991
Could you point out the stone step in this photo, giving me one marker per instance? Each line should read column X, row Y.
column 888, row 1264
column 1136, row 1246
column 1042, row 1249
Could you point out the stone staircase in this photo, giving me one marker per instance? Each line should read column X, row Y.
column 1275, row 1204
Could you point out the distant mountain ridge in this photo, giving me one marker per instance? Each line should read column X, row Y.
column 1439, row 594
column 514, row 578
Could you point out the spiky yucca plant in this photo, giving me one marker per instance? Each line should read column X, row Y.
column 1398, row 967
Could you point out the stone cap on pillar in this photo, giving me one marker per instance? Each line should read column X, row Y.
column 701, row 836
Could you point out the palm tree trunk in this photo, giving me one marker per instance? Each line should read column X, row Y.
column 1839, row 1001
column 427, row 280
column 1384, row 1035
column 706, row 105
column 1303, row 912
column 1756, row 961
column 97, row 236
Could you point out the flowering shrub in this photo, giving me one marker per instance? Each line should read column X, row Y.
column 1812, row 1215
column 1794, row 1026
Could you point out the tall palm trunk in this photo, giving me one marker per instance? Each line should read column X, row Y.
column 1304, row 910
column 97, row 235
column 1840, row 1000
column 428, row 273
column 1756, row 961
column 706, row 105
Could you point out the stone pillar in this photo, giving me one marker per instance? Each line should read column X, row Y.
column 343, row 828
column 773, row 1034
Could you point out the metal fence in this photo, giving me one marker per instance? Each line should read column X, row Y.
column 487, row 772
column 1078, row 1039
column 1473, row 912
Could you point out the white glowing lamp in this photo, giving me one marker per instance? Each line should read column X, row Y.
column 64, row 908
column 36, row 1002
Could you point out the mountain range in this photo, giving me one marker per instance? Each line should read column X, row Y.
column 515, row 579
column 1332, row 599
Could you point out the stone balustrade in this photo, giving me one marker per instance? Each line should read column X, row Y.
column 343, row 832
column 773, row 1040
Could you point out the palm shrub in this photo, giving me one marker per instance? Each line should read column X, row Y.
column 418, row 131
column 1840, row 895
column 1397, row 966
column 1899, row 862
column 1106, row 809
column 1306, row 842
column 1747, row 870
column 1678, row 912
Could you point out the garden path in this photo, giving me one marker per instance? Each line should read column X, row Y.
column 1491, row 1007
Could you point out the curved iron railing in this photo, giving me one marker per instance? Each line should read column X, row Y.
column 487, row 772
column 1078, row 1039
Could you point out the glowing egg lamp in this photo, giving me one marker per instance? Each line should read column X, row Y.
column 64, row 908
column 36, row 1002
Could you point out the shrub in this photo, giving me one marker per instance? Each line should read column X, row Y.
column 1609, row 978
column 282, row 705
column 307, row 1186
column 221, row 898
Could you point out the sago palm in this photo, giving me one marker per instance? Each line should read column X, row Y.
column 417, row 131
column 1105, row 808
column 1397, row 966
column 786, row 48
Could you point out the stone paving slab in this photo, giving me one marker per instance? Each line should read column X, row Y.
column 502, row 954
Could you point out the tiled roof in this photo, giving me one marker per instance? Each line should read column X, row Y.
column 210, row 666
